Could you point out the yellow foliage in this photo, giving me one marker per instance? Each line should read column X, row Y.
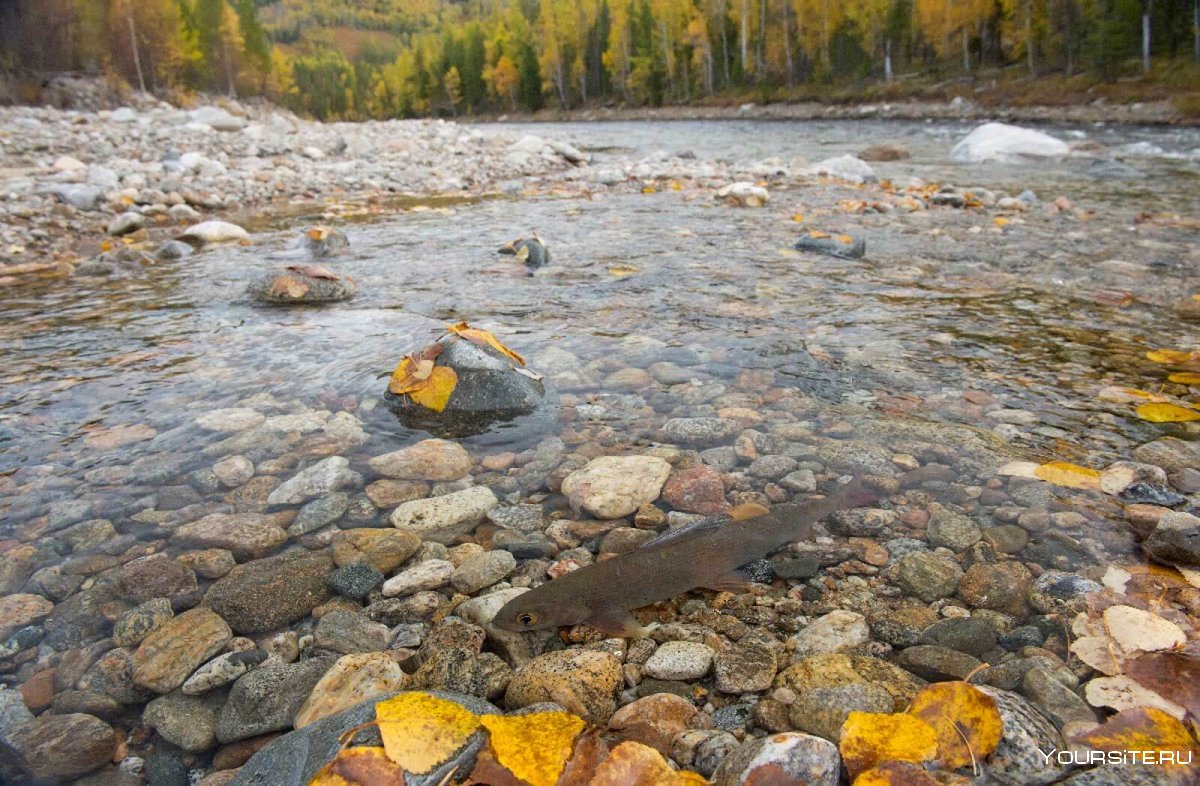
column 533, row 747
column 635, row 764
column 484, row 337
column 1185, row 377
column 421, row 731
column 359, row 767
column 620, row 271
column 869, row 738
column 1140, row 729
column 966, row 721
column 1064, row 473
column 1172, row 356
column 1160, row 412
column 417, row 377
column 896, row 773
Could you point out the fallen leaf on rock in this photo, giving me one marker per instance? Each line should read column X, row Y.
column 620, row 271
column 1174, row 674
column 1162, row 412
column 635, row 764
column 590, row 750
column 288, row 287
column 1175, row 356
column 484, row 338
column 1141, row 729
column 359, row 767
column 1019, row 469
column 426, row 384
column 966, row 721
column 1122, row 693
column 869, row 738
column 1097, row 652
column 489, row 772
column 1185, row 377
column 533, row 747
column 421, row 731
column 1115, row 578
column 1134, row 629
column 314, row 271
column 1064, row 473
column 649, row 190
column 1123, row 395
column 897, row 773
column 1001, row 221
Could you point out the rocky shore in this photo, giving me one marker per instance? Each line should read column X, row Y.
column 178, row 593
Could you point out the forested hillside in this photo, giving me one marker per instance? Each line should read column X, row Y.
column 386, row 58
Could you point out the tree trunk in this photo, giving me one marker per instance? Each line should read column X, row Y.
column 133, row 42
column 745, row 34
column 725, row 50
column 787, row 44
column 887, row 60
column 666, row 45
column 760, row 58
column 1196, row 30
column 1029, row 33
column 1146, row 36
column 966, row 52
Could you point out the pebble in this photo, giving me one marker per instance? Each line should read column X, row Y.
column 1175, row 540
column 430, row 459
column 936, row 663
column 267, row 594
column 356, row 580
column 835, row 668
column 654, row 720
column 928, row 576
column 699, row 489
column 952, row 530
column 383, row 549
column 680, row 660
column 352, row 679
column 268, row 698
column 189, row 722
column 324, row 477
column 1058, row 592
column 1001, row 586
column 248, row 536
column 790, row 757
column 230, row 420
column 168, row 656
column 1027, row 734
column 701, row 432
column 134, row 625
column 611, row 487
column 234, row 471
column 319, row 513
column 222, row 670
column 209, row 563
column 427, row 575
column 214, row 232
column 965, row 634
column 822, row 711
column 747, row 666
column 56, row 747
column 482, row 570
column 18, row 611
column 834, row 632
column 349, row 632
column 126, row 224
column 441, row 519
column 584, row 682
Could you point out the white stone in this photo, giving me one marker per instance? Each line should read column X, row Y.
column 1006, row 143
column 234, row 471
column 680, row 660
column 326, row 476
column 745, row 194
column 123, row 114
column 217, row 119
column 444, row 518
column 215, row 232
column 611, row 487
column 836, row 631
column 68, row 164
column 427, row 575
column 231, row 419
column 847, row 167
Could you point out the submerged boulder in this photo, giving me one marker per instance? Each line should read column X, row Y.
column 488, row 389
column 530, row 250
column 325, row 241
column 1003, row 142
column 302, row 285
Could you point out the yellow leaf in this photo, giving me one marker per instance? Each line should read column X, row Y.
column 435, row 393
column 289, row 287
column 676, row 185
column 1159, row 412
column 1001, row 221
column 649, row 190
column 845, row 239
column 421, row 731
column 896, row 773
column 817, row 234
column 966, row 721
column 359, row 767
column 533, row 747
column 620, row 271
column 1140, row 729
column 1185, row 377
column 1072, row 476
column 869, row 738
column 1171, row 356
column 635, row 764
column 479, row 336
column 798, row 218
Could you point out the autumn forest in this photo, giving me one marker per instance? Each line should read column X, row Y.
column 351, row 59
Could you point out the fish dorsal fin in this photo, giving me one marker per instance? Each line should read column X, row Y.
column 703, row 526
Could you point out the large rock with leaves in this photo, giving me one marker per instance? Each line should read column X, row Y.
column 487, row 388
column 302, row 285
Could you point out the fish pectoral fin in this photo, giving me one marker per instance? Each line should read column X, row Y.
column 618, row 622
column 734, row 581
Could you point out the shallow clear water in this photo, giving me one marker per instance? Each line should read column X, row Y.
column 933, row 310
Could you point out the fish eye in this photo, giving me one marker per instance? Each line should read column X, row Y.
column 526, row 618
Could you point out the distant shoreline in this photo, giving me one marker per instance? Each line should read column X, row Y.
column 1146, row 113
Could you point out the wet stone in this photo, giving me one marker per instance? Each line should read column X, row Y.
column 137, row 623
column 56, row 747
column 1055, row 700
column 465, row 670
column 772, row 467
column 383, row 549
column 838, row 630
column 583, row 681
column 348, row 632
column 186, row 721
column 936, row 663
column 1056, row 592
column 928, row 576
column 355, row 580
column 952, row 530
column 166, row 657
column 353, row 679
column 430, row 459
column 701, row 432
column 268, row 698
column 427, row 575
column 154, row 576
column 654, row 720
column 611, row 487
column 680, row 660
column 222, row 670
column 248, row 535
column 209, row 563
column 519, row 518
column 1019, row 759
column 802, row 567
column 482, row 570
column 1175, row 540
column 823, row 711
column 112, row 676
column 318, row 480
column 18, row 611
column 319, row 513
column 270, row 593
column 441, row 519
column 1002, row 586
column 790, row 757
column 965, row 634
column 533, row 545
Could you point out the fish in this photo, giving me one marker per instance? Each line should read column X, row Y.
column 706, row 553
